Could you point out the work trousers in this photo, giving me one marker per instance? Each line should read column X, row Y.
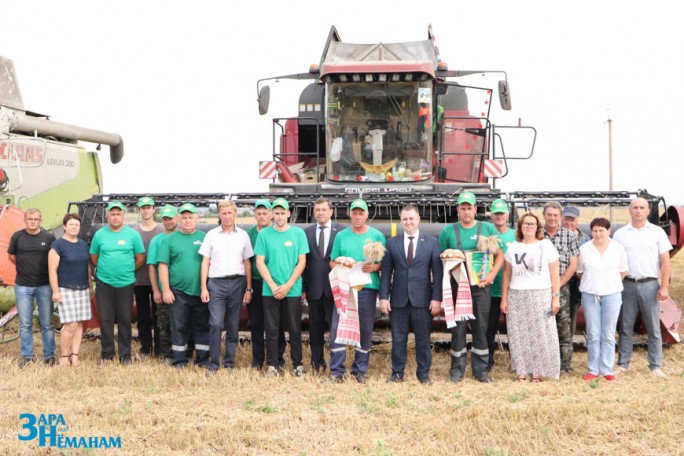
column 147, row 320
column 186, row 314
column 257, row 326
column 288, row 312
column 479, row 357
column 640, row 298
column 338, row 352
column 225, row 305
column 115, row 305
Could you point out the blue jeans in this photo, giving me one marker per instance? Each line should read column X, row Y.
column 43, row 297
column 640, row 297
column 601, row 314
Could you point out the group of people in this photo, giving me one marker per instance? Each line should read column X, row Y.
column 190, row 287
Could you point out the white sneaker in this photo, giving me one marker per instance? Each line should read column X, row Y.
column 272, row 372
column 620, row 370
column 299, row 371
column 658, row 372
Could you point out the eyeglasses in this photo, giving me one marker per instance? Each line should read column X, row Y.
column 529, row 224
column 33, row 220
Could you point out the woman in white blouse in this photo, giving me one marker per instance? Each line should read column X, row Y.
column 602, row 266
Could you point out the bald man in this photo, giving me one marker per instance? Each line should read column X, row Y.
column 648, row 255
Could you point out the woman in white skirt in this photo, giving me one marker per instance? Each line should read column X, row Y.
column 71, row 281
column 530, row 298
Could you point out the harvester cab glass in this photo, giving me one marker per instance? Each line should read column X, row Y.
column 378, row 130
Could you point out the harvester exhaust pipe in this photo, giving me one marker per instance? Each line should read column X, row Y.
column 46, row 127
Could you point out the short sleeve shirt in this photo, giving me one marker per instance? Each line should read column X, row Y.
column 180, row 251
column 116, row 252
column 74, row 259
column 505, row 239
column 601, row 272
column 349, row 244
column 281, row 250
column 226, row 251
column 31, row 251
column 142, row 277
column 447, row 238
column 253, row 234
column 530, row 264
column 566, row 244
column 643, row 247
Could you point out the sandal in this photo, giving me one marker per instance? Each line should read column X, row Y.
column 521, row 378
column 65, row 364
column 71, row 361
column 535, row 380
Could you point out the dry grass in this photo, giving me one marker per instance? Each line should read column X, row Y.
column 157, row 410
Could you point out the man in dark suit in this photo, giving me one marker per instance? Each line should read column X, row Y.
column 316, row 282
column 413, row 267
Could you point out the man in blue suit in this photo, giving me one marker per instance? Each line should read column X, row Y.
column 413, row 267
column 317, row 292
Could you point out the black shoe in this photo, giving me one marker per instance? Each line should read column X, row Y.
column 454, row 378
column 425, row 381
column 360, row 377
column 126, row 362
column 485, row 379
column 50, row 361
column 24, row 362
column 336, row 379
column 395, row 378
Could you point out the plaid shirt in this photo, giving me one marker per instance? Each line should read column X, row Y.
column 567, row 245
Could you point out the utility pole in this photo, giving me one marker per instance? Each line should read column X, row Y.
column 610, row 160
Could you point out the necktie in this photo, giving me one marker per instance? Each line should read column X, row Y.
column 409, row 254
column 321, row 240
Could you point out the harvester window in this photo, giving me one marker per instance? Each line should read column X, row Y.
column 379, row 132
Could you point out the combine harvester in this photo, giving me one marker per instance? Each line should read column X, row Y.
column 392, row 123
column 41, row 165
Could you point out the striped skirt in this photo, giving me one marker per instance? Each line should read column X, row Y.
column 75, row 305
column 532, row 334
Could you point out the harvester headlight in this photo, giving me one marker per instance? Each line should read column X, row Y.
column 343, row 78
column 368, row 78
column 396, row 77
column 356, row 78
column 382, row 77
column 408, row 77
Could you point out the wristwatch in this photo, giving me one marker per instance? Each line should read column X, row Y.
column 251, row 290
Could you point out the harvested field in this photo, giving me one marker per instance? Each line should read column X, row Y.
column 157, row 410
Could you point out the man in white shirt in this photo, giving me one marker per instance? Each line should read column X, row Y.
column 226, row 281
column 648, row 255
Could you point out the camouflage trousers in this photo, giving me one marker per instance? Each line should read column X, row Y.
column 164, row 330
column 564, row 326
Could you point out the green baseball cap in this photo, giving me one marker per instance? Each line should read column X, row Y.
column 187, row 207
column 145, row 201
column 467, row 197
column 498, row 206
column 115, row 205
column 262, row 203
column 358, row 204
column 168, row 211
column 280, row 202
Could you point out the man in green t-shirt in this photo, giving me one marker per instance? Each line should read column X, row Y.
column 498, row 212
column 255, row 309
column 116, row 251
column 463, row 235
column 169, row 218
column 281, row 258
column 349, row 243
column 179, row 273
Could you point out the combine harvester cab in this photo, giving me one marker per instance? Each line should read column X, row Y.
column 41, row 165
